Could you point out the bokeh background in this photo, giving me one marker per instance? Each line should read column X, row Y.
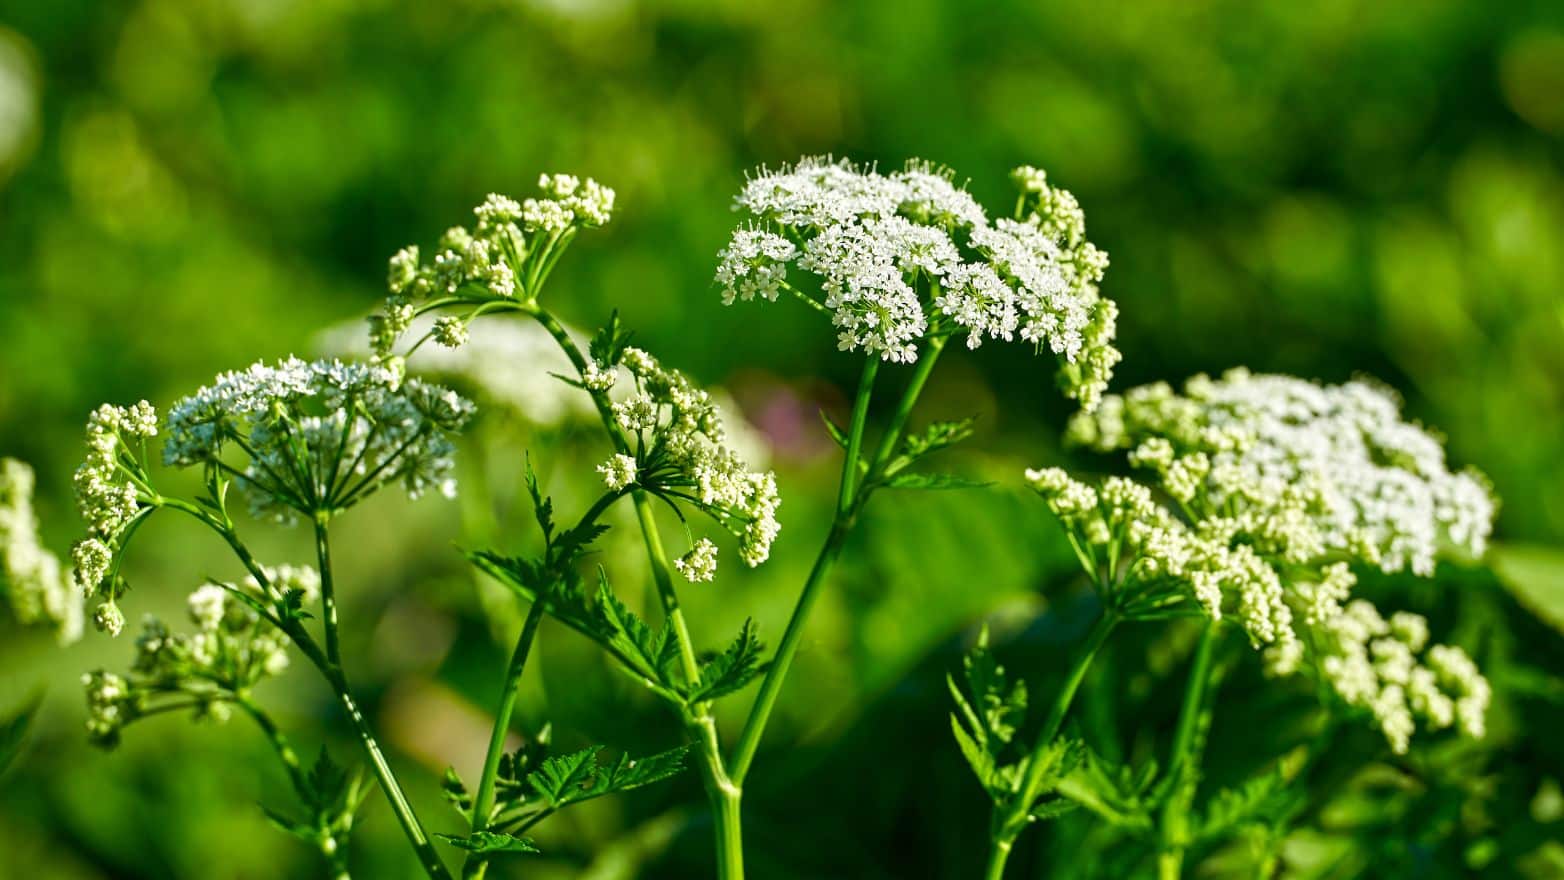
column 1326, row 189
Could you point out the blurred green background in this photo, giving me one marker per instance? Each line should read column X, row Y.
column 1325, row 189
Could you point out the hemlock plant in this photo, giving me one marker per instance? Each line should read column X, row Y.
column 1257, row 501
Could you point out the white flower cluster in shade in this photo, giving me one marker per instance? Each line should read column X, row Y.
column 700, row 564
column 905, row 255
column 506, row 254
column 1347, row 472
column 231, row 651
column 1279, row 486
column 319, row 436
column 506, row 365
column 32, row 582
column 681, row 451
column 1298, row 612
column 109, row 494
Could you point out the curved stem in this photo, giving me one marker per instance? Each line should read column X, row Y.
column 1184, row 759
column 483, row 801
column 841, row 526
column 279, row 742
column 1010, row 817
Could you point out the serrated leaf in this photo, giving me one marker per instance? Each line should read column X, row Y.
column 570, row 779
column 542, row 508
column 732, row 669
column 327, row 781
column 1000, row 703
column 609, row 343
column 649, row 652
column 558, row 778
column 906, row 480
column 487, row 842
column 978, row 758
column 1259, row 799
column 1052, row 809
column 1116, row 794
column 937, row 436
column 455, row 792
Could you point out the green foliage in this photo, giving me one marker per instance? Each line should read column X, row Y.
column 730, row 670
column 13, row 731
column 490, row 842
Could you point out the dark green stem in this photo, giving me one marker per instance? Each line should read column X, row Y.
column 483, row 801
column 1184, row 759
column 841, row 526
column 1011, row 817
column 328, row 593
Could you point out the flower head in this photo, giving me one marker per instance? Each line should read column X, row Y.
column 682, row 452
column 319, row 436
column 231, row 650
column 1278, row 486
column 504, row 256
column 32, row 582
column 700, row 564
column 903, row 256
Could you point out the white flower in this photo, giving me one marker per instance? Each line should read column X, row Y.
column 450, row 331
column 207, row 606
column 1310, row 469
column 32, row 582
column 319, row 436
column 618, row 472
column 700, row 564
column 904, row 256
column 688, row 453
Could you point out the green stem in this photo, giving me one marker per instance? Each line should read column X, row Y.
column 725, row 794
column 1010, row 818
column 328, row 593
column 483, row 801
column 841, row 526
column 1184, row 758
column 279, row 743
column 427, row 857
column 331, row 667
column 909, row 398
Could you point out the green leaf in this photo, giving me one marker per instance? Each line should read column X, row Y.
column 1052, row 809
column 486, row 842
column 14, row 730
column 1116, row 794
column 835, row 430
column 288, row 825
column 933, row 482
column 732, row 669
column 455, row 792
column 576, row 777
column 937, row 436
column 1535, row 575
column 542, row 508
column 650, row 653
column 985, row 724
column 1261, row 799
column 609, row 343
column 327, row 781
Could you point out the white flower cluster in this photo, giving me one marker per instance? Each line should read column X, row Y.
column 231, row 651
column 320, row 435
column 700, row 564
column 506, row 254
column 1381, row 666
column 32, row 582
column 682, row 451
column 1350, row 475
column 1280, row 485
column 900, row 256
column 618, row 472
column 109, row 498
